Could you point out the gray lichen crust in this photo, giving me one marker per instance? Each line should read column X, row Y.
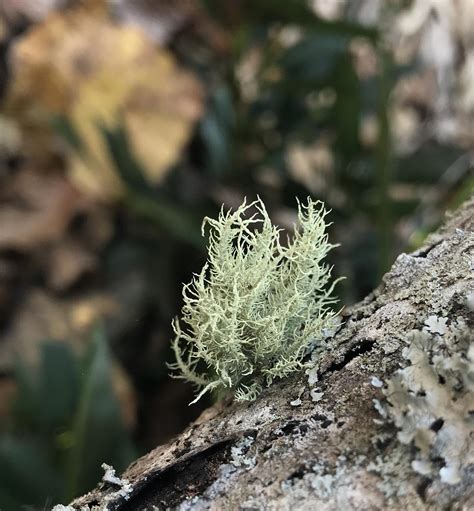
column 432, row 398
column 257, row 305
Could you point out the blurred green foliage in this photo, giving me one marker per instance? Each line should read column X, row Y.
column 65, row 423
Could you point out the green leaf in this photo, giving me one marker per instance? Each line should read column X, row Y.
column 142, row 199
column 313, row 58
column 27, row 405
column 216, row 130
column 27, row 473
column 299, row 13
column 67, row 423
column 347, row 108
column 126, row 165
column 98, row 434
column 66, row 130
column 58, row 384
column 178, row 222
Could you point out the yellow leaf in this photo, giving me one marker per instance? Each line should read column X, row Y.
column 80, row 64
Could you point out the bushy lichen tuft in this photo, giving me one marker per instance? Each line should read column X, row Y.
column 257, row 305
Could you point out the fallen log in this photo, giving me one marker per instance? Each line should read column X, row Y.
column 334, row 438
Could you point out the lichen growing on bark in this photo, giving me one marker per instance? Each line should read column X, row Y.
column 257, row 305
column 432, row 398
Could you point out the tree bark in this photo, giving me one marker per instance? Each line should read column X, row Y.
column 333, row 450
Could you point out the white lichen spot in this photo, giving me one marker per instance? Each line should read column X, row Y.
column 109, row 475
column 380, row 438
column 315, row 395
column 436, row 325
column 393, row 470
column 124, row 490
column 297, row 401
column 390, row 346
column 124, row 486
column 450, row 475
column 323, row 485
column 470, row 354
column 238, row 452
column 422, row 467
column 61, row 507
column 470, row 300
column 330, row 330
column 315, row 482
column 380, row 408
column 312, row 376
column 376, row 382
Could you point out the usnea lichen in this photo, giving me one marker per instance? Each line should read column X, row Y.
column 257, row 305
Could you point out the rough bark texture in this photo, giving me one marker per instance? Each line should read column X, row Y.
column 334, row 453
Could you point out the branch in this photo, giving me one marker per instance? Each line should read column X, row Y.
column 332, row 451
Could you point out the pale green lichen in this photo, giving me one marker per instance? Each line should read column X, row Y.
column 258, row 305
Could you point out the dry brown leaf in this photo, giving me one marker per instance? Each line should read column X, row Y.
column 42, row 316
column 43, row 215
column 84, row 313
column 3, row 30
column 9, row 273
column 79, row 64
column 33, row 10
column 53, row 56
column 126, row 395
column 68, row 261
column 10, row 137
column 161, row 20
column 36, row 210
column 311, row 165
column 8, row 390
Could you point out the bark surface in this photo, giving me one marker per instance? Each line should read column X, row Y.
column 333, row 450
